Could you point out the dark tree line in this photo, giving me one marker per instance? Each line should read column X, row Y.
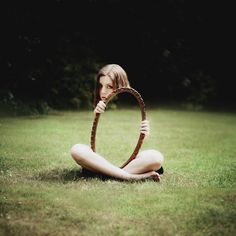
column 171, row 50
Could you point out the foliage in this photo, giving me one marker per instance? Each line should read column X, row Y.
column 51, row 51
column 76, row 87
column 10, row 105
column 197, row 89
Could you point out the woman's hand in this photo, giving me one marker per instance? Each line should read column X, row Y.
column 100, row 108
column 145, row 128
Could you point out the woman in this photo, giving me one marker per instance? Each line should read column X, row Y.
column 145, row 165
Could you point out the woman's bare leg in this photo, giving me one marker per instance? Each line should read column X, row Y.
column 146, row 161
column 90, row 160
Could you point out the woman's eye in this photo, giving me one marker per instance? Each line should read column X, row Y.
column 110, row 87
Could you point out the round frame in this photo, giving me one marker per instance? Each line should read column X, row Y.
column 143, row 116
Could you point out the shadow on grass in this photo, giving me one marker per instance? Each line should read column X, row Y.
column 66, row 175
column 73, row 175
column 59, row 175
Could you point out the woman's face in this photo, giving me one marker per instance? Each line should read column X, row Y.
column 105, row 87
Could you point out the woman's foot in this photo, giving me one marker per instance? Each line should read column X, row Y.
column 155, row 176
column 149, row 175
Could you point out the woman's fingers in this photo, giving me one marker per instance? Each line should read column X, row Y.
column 145, row 129
column 145, row 122
column 145, row 125
column 100, row 108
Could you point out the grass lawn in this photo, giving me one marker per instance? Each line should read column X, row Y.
column 43, row 193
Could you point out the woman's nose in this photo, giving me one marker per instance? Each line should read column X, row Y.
column 103, row 90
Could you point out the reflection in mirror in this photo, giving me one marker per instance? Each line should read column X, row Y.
column 118, row 129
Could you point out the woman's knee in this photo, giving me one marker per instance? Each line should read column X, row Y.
column 155, row 156
column 79, row 151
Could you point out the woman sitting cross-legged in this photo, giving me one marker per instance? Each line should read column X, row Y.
column 146, row 165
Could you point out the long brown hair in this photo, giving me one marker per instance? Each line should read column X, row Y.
column 118, row 76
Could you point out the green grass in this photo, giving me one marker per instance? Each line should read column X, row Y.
column 43, row 193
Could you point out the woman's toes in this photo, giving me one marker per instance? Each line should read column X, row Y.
column 156, row 177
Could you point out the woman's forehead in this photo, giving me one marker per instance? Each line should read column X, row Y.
column 105, row 79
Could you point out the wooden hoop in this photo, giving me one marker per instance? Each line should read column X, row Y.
column 143, row 115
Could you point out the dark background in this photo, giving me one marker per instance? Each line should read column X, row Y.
column 172, row 51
